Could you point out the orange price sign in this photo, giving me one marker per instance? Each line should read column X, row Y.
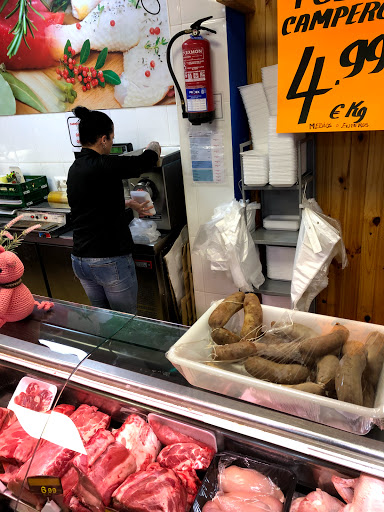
column 331, row 65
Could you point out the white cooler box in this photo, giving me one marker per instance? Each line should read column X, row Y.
column 192, row 352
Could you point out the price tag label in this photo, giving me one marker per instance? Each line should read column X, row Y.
column 47, row 486
column 331, row 65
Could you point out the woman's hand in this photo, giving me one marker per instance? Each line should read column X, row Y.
column 141, row 208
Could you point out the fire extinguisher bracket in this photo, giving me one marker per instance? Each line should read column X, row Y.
column 200, row 106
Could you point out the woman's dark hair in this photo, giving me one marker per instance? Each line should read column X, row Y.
column 93, row 124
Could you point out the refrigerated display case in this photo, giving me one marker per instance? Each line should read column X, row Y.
column 116, row 362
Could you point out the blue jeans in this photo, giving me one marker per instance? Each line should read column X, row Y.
column 109, row 283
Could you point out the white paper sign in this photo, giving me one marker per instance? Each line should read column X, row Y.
column 54, row 427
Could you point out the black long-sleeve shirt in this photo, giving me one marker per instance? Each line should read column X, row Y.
column 96, row 198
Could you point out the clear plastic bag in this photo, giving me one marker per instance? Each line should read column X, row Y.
column 319, row 242
column 144, row 231
column 225, row 241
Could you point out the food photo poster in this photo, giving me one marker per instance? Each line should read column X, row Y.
column 56, row 54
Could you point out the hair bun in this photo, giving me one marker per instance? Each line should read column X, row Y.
column 81, row 112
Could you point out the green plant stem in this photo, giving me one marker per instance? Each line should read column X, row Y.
column 23, row 24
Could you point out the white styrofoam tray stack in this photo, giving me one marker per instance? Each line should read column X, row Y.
column 255, row 168
column 256, row 106
column 283, row 159
column 193, row 350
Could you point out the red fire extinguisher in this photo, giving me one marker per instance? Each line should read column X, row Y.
column 197, row 74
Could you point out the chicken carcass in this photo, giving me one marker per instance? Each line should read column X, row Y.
column 97, row 27
column 234, row 479
column 363, row 494
column 317, row 501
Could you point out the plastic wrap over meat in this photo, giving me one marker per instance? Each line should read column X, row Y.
column 235, row 482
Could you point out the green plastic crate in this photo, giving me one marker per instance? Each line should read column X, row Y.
column 32, row 183
column 22, row 195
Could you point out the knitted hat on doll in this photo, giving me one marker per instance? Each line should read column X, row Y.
column 16, row 301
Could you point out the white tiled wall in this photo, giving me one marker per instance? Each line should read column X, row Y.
column 40, row 144
column 201, row 199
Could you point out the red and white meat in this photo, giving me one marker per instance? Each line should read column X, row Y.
column 54, row 460
column 185, row 456
column 95, row 487
column 157, row 490
column 138, row 437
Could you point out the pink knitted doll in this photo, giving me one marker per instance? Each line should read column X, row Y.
column 16, row 301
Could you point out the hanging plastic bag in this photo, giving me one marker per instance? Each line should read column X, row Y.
column 144, row 231
column 319, row 242
column 226, row 243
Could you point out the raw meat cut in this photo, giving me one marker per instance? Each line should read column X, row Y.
column 138, row 437
column 94, row 448
column 76, row 506
column 9, row 471
column 34, row 398
column 69, row 482
column 246, row 502
column 317, row 501
column 167, row 435
column 234, row 478
column 185, row 456
column 88, row 420
column 39, row 54
column 16, row 446
column 295, row 505
column 191, row 482
column 96, row 486
column 157, row 489
column 210, row 506
column 52, row 459
column 363, row 494
column 7, row 417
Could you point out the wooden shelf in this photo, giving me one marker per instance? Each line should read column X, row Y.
column 274, row 237
column 245, row 6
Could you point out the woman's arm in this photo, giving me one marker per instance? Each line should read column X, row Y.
column 132, row 166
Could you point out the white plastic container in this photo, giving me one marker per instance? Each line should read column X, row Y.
column 190, row 353
column 282, row 222
column 141, row 196
column 204, row 436
column 280, row 262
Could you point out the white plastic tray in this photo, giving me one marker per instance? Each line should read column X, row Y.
column 191, row 353
column 282, row 222
column 204, row 436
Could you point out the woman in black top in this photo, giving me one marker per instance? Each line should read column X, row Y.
column 102, row 242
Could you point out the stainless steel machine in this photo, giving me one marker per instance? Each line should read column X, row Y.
column 53, row 221
column 165, row 186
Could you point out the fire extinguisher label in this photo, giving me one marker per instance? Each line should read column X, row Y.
column 197, row 99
